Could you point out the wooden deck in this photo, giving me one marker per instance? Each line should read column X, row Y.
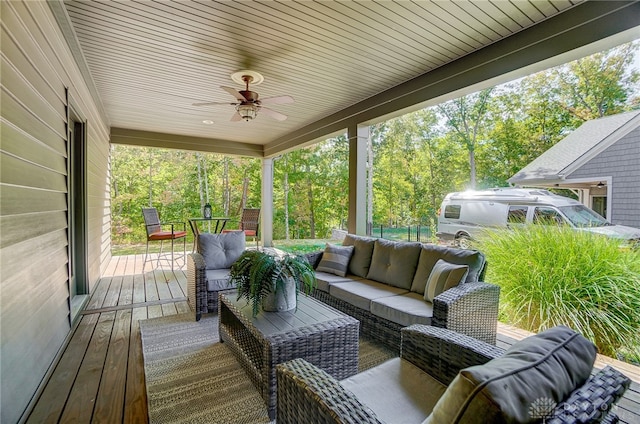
column 100, row 376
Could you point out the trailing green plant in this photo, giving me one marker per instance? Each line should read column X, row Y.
column 553, row 275
column 258, row 274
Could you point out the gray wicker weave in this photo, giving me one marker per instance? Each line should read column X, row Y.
column 469, row 308
column 322, row 335
column 201, row 300
column 309, row 395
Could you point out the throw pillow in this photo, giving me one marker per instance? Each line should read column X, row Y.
column 431, row 253
column 444, row 275
column 221, row 250
column 362, row 250
column 335, row 259
column 540, row 370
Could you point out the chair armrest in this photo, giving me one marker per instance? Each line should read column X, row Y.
column 306, row 394
column 196, row 284
column 442, row 353
column 592, row 402
column 314, row 257
column 469, row 308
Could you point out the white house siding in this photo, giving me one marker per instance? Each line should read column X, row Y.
column 37, row 66
column 621, row 161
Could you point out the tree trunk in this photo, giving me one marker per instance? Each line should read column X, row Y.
column 472, row 168
column 150, row 179
column 312, row 219
column 369, row 185
column 200, row 191
column 285, row 186
column 225, row 186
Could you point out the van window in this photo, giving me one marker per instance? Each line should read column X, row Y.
column 452, row 211
column 517, row 214
column 547, row 216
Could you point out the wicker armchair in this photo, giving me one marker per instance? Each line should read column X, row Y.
column 208, row 269
column 308, row 394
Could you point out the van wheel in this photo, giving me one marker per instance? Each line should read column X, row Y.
column 463, row 242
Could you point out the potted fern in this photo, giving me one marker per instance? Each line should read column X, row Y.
column 269, row 282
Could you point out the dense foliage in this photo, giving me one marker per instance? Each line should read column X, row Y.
column 553, row 275
column 478, row 140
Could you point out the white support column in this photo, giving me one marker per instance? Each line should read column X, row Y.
column 266, row 212
column 357, row 220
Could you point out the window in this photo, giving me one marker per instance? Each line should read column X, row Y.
column 547, row 216
column 517, row 214
column 452, row 211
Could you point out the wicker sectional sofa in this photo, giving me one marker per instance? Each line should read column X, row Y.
column 384, row 288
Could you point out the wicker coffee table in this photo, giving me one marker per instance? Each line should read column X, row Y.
column 314, row 331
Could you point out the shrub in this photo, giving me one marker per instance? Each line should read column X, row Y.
column 551, row 276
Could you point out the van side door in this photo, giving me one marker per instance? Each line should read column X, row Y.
column 517, row 215
column 545, row 215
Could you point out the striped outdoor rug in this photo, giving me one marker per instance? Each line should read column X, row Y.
column 192, row 378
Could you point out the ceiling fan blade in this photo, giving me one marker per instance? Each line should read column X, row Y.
column 212, row 103
column 236, row 117
column 273, row 114
column 234, row 93
column 277, row 100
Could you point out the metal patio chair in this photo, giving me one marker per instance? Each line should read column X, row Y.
column 155, row 232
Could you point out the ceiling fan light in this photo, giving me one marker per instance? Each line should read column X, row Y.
column 247, row 112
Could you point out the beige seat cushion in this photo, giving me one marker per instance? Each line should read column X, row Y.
column 361, row 293
column 397, row 391
column 406, row 309
column 324, row 280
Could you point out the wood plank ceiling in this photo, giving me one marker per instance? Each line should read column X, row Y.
column 151, row 60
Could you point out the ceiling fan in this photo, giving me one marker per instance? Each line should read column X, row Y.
column 249, row 103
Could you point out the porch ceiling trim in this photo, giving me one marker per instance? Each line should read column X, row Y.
column 180, row 142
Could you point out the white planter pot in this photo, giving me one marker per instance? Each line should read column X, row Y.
column 281, row 300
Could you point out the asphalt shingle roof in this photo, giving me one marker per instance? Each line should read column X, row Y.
column 553, row 163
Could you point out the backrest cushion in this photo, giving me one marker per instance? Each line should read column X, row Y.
column 335, row 259
column 537, row 371
column 444, row 275
column 221, row 250
column 394, row 263
column 431, row 253
column 362, row 251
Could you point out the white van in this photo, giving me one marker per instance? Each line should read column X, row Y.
column 464, row 215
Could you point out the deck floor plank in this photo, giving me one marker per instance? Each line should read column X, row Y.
column 100, row 376
column 54, row 396
column 135, row 403
column 84, row 393
column 109, row 403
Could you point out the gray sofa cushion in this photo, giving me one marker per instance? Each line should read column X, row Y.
column 431, row 253
column 394, row 263
column 397, row 391
column 444, row 275
column 362, row 251
column 324, row 280
column 221, row 250
column 335, row 259
column 360, row 293
column 218, row 279
column 405, row 309
column 544, row 368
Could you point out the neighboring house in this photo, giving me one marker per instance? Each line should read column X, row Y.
column 600, row 161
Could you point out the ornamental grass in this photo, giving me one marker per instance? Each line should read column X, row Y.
column 559, row 276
